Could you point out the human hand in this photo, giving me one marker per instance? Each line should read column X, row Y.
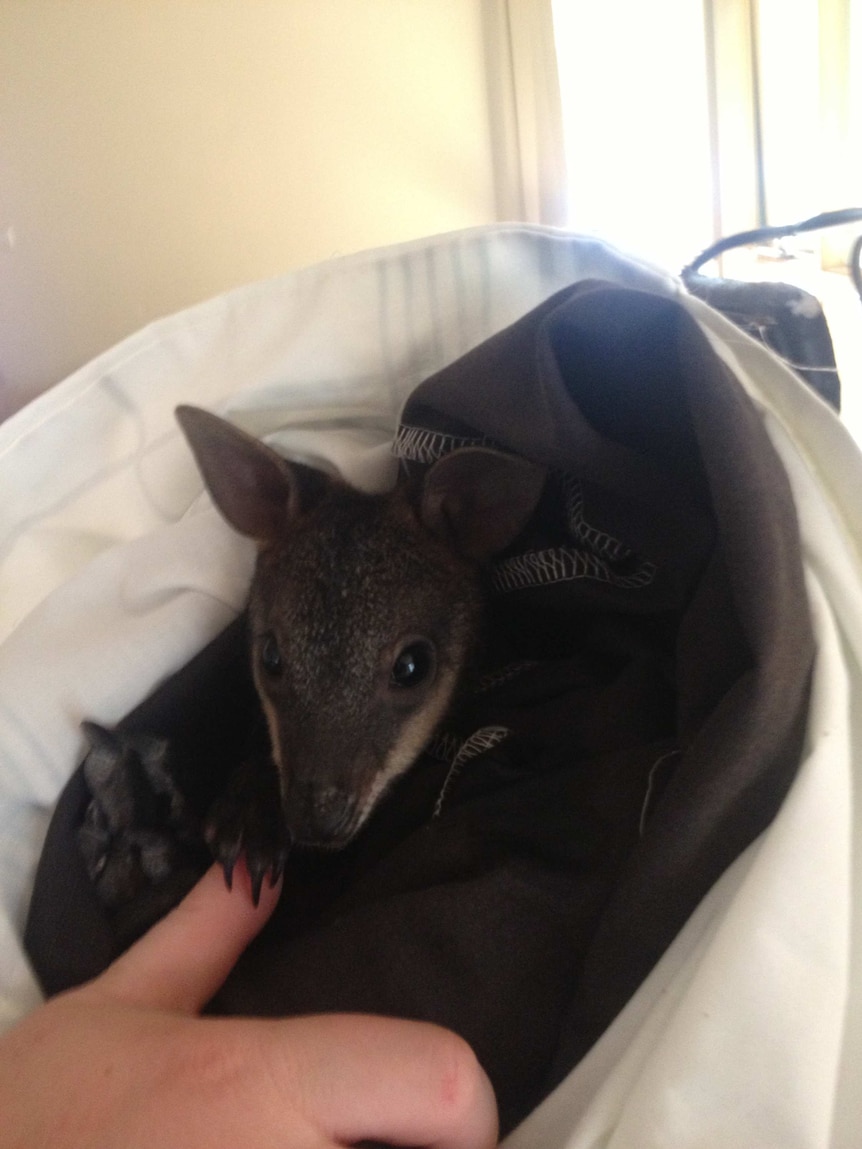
column 125, row 1062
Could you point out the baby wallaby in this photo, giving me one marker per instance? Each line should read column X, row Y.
column 364, row 609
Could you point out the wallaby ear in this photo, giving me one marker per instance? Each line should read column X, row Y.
column 258, row 492
column 480, row 499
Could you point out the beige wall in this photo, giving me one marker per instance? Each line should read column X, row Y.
column 156, row 152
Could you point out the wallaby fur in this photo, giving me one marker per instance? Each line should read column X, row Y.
column 364, row 609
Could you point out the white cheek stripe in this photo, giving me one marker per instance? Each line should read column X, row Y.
column 274, row 739
column 414, row 736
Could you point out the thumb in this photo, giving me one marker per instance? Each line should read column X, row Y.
column 184, row 959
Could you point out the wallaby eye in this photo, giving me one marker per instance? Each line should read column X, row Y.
column 270, row 655
column 413, row 665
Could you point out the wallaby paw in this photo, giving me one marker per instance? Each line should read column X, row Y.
column 141, row 849
column 247, row 819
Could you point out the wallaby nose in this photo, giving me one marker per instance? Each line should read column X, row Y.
column 332, row 809
column 325, row 811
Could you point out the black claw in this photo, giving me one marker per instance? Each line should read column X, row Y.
column 279, row 862
column 256, row 883
column 246, row 819
column 228, row 867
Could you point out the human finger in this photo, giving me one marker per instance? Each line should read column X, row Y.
column 389, row 1080
column 184, row 959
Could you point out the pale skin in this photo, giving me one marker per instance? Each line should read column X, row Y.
column 126, row 1062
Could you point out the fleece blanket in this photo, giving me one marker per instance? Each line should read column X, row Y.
column 88, row 582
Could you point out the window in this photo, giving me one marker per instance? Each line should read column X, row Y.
column 686, row 120
column 634, row 95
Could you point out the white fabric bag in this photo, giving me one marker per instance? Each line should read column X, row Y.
column 114, row 570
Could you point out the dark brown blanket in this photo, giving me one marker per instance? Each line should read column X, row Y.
column 637, row 721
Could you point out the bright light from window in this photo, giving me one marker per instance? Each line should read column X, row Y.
column 636, row 124
column 790, row 110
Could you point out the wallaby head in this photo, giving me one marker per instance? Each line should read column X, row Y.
column 364, row 609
